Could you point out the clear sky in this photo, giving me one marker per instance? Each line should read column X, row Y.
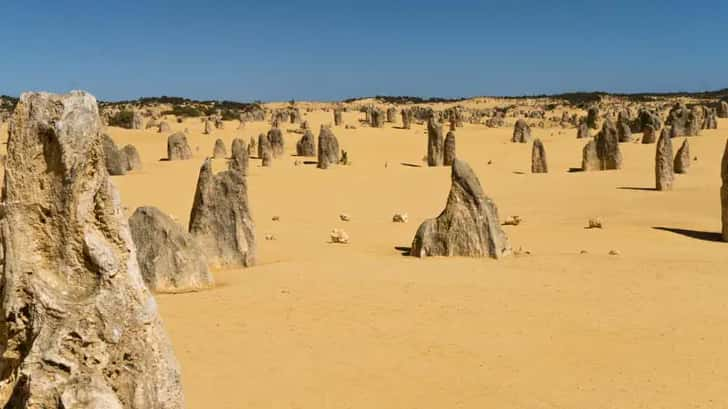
column 314, row 49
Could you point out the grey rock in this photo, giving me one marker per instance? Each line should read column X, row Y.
column 178, row 148
column 449, row 153
column 275, row 136
column 169, row 258
column 521, row 132
column 220, row 219
column 328, row 148
column 468, row 226
column 306, row 146
column 664, row 174
column 116, row 163
column 682, row 159
column 724, row 193
column 434, row 142
column 80, row 328
column 219, row 151
column 239, row 157
column 649, row 134
column 538, row 158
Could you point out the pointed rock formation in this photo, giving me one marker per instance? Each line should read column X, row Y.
column 169, row 258
column 649, row 134
column 538, row 158
column 603, row 152
column 80, row 328
column 137, row 120
column 521, row 132
column 219, row 151
column 724, row 193
column 682, row 159
column 624, row 132
column 220, row 220
column 592, row 118
column 582, row 131
column 328, row 148
column 337, row 117
column 178, row 148
column 664, row 175
column 377, row 116
column 306, row 146
column 275, row 136
column 468, row 226
column 449, row 154
column 116, row 163
column 434, row 142
column 406, row 119
column 239, row 156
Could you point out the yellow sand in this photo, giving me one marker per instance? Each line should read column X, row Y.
column 318, row 325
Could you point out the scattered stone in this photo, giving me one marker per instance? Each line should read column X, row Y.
column 344, row 217
column 220, row 219
column 614, row 252
column 275, row 218
column 538, row 158
column 344, row 158
column 339, row 236
column 169, row 258
column 521, row 132
column 178, row 148
column 682, row 159
column 512, row 221
column 664, row 175
column 400, row 218
column 595, row 223
column 270, row 237
column 75, row 308
column 468, row 226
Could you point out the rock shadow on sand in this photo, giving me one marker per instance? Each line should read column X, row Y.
column 405, row 251
column 643, row 189
column 693, row 234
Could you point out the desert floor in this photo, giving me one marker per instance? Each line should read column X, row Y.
column 320, row 325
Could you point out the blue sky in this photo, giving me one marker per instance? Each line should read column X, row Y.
column 326, row 50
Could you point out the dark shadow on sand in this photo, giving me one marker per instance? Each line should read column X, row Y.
column 411, row 165
column 405, row 251
column 694, row 234
column 644, row 189
column 575, row 170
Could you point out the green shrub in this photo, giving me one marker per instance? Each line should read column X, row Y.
column 122, row 119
